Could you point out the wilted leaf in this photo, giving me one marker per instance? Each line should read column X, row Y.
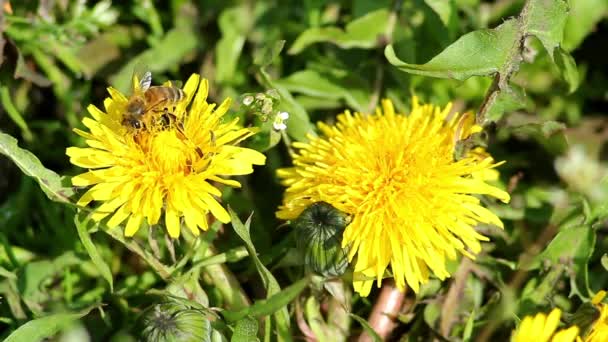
column 362, row 33
column 50, row 182
column 478, row 53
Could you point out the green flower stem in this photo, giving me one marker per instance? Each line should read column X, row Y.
column 226, row 283
column 163, row 271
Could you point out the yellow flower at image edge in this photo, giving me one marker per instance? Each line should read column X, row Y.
column 599, row 329
column 412, row 203
column 170, row 170
column 541, row 328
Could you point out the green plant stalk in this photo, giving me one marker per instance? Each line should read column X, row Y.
column 226, row 283
column 162, row 270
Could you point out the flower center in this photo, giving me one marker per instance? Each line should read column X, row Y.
column 170, row 152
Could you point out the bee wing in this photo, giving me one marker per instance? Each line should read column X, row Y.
column 145, row 81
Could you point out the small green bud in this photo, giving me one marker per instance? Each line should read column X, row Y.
column 173, row 321
column 319, row 231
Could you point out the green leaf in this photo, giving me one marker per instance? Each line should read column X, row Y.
column 467, row 334
column 89, row 246
column 270, row 283
column 478, row 53
column 265, row 307
column 506, row 101
column 246, row 330
column 550, row 134
column 368, row 329
column 269, row 53
column 546, row 21
column 50, row 182
column 446, row 10
column 567, row 68
column 575, row 244
column 604, row 261
column 13, row 113
column 45, row 327
column 169, row 52
column 312, row 83
column 583, row 19
column 234, row 23
column 363, row 32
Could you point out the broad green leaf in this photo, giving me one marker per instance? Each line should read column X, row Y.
column 478, row 53
column 246, row 330
column 546, row 20
column 604, row 261
column 169, row 52
column 89, row 246
column 45, row 327
column 567, row 68
column 368, row 329
column 363, row 32
column 270, row 283
column 583, row 19
column 446, row 10
column 265, row 307
column 50, row 182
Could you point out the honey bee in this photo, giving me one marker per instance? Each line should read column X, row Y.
column 149, row 105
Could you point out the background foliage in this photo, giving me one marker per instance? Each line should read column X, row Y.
column 532, row 71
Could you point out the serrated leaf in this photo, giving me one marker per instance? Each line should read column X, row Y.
column 270, row 283
column 45, row 327
column 246, row 330
column 49, row 181
column 89, row 246
column 368, row 329
column 478, row 53
column 546, row 21
column 567, row 67
column 362, row 33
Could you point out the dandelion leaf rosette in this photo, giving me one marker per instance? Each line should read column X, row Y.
column 413, row 205
column 170, row 174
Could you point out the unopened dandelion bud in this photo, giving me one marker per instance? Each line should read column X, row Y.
column 173, row 321
column 319, row 236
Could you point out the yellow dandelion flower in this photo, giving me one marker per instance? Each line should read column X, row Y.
column 541, row 328
column 599, row 329
column 171, row 171
column 412, row 203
